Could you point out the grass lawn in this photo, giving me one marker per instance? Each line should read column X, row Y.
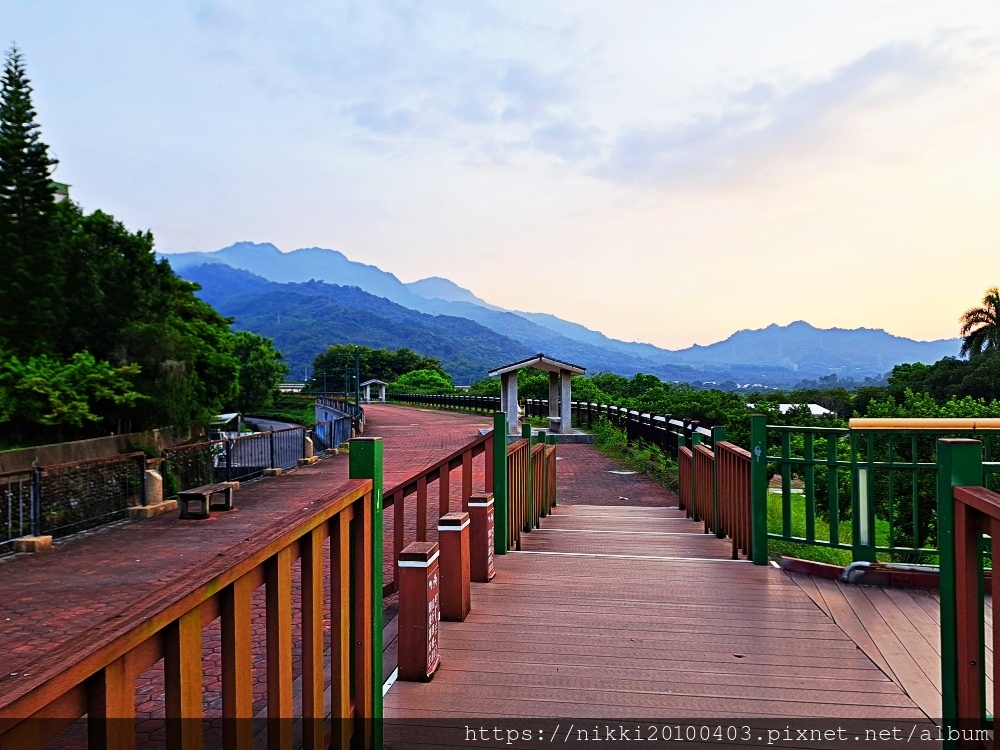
column 811, row 551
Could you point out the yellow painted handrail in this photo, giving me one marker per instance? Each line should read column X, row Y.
column 899, row 423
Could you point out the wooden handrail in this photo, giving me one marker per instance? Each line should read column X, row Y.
column 95, row 673
column 976, row 512
column 417, row 484
column 409, row 485
column 900, row 423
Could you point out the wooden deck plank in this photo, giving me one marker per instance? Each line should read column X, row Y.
column 908, row 672
column 914, row 639
column 808, row 584
column 640, row 636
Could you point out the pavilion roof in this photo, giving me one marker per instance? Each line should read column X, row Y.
column 540, row 362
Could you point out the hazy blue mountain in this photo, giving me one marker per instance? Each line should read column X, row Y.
column 436, row 288
column 305, row 318
column 805, row 348
column 308, row 264
column 773, row 355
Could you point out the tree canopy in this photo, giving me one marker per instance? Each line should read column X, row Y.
column 981, row 325
column 96, row 334
column 381, row 364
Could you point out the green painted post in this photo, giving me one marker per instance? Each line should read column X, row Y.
column 718, row 435
column 959, row 463
column 500, row 499
column 758, row 487
column 695, row 441
column 366, row 463
column 529, row 522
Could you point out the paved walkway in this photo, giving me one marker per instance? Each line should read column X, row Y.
column 49, row 599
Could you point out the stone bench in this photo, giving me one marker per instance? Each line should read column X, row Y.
column 203, row 497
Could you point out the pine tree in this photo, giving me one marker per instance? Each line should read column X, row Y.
column 31, row 279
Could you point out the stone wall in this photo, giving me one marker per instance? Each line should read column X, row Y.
column 81, row 450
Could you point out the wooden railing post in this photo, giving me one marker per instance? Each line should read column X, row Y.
column 482, row 533
column 456, row 591
column 758, row 487
column 694, row 510
column 542, row 480
column 960, row 463
column 366, row 463
column 500, row 488
column 550, row 475
column 419, row 611
column 718, row 436
column 529, row 521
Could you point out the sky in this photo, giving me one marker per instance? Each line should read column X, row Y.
column 666, row 172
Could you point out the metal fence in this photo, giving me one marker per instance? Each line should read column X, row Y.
column 487, row 404
column 866, row 489
column 330, row 434
column 77, row 496
column 231, row 460
column 17, row 506
column 66, row 498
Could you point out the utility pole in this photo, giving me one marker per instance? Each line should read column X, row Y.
column 357, row 377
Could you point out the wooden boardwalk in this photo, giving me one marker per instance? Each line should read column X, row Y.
column 899, row 629
column 616, row 612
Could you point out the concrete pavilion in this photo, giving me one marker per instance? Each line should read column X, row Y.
column 367, row 386
column 559, row 391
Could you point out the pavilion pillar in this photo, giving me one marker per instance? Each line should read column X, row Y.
column 565, row 410
column 368, row 393
column 508, row 401
column 381, row 392
column 553, row 394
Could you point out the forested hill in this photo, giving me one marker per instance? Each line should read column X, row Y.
column 305, row 318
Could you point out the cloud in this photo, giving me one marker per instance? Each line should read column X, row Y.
column 757, row 124
column 567, row 140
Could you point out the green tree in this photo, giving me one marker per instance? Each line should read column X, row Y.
column 30, row 269
column 382, row 364
column 261, row 371
column 981, row 325
column 422, row 381
column 65, row 395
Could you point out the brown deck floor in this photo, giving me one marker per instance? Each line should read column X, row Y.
column 612, row 611
column 900, row 631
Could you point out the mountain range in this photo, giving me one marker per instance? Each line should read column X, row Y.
column 310, row 298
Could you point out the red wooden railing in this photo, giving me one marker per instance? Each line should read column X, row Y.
column 703, row 494
column 95, row 674
column 977, row 512
column 714, row 487
column 518, row 498
column 733, row 492
column 418, row 484
column 685, row 467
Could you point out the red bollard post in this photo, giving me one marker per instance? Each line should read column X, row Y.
column 481, row 538
column 456, row 590
column 419, row 611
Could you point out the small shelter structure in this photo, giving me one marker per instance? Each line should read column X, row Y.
column 367, row 385
column 560, row 374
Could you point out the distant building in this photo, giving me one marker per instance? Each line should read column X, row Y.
column 815, row 409
column 60, row 190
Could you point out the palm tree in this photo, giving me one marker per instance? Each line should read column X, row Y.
column 981, row 325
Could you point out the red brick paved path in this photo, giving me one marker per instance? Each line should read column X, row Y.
column 48, row 599
column 585, row 477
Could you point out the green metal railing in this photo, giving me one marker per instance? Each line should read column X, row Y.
column 869, row 489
